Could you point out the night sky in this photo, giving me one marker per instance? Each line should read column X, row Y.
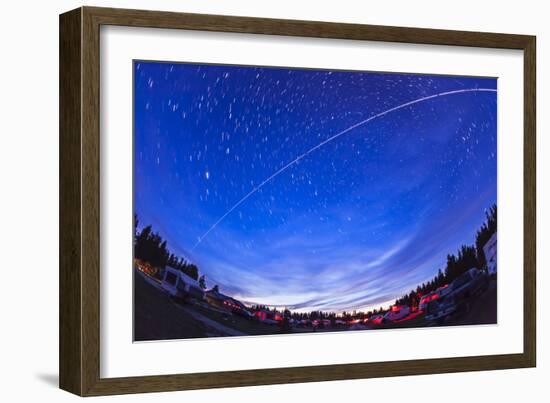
column 352, row 224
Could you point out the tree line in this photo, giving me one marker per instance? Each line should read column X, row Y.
column 467, row 257
column 149, row 246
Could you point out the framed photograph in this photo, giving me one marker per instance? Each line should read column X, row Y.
column 249, row 201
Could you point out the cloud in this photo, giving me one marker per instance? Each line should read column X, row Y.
column 340, row 276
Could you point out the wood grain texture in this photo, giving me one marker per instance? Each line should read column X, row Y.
column 70, row 274
column 316, row 29
column 162, row 383
column 90, row 202
column 80, row 201
column 530, row 203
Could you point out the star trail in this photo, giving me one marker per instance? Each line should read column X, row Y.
column 312, row 189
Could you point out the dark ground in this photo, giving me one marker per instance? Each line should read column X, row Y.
column 157, row 317
column 483, row 310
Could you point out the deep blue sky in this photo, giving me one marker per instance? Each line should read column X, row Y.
column 355, row 223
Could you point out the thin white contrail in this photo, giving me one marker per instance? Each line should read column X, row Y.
column 361, row 123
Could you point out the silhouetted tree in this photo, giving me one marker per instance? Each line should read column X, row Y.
column 150, row 247
column 202, row 282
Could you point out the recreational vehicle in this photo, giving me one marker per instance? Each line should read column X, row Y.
column 490, row 251
column 179, row 285
column 397, row 312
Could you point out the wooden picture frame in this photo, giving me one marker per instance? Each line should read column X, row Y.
column 79, row 347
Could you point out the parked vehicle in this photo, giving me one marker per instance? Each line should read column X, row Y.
column 179, row 285
column 439, row 293
column 320, row 323
column 269, row 317
column 294, row 322
column 472, row 282
column 425, row 300
column 440, row 308
column 238, row 308
column 397, row 312
column 443, row 290
column 376, row 319
column 226, row 303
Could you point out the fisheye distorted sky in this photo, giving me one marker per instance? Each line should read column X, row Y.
column 353, row 224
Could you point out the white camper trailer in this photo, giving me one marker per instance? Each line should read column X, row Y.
column 179, row 285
